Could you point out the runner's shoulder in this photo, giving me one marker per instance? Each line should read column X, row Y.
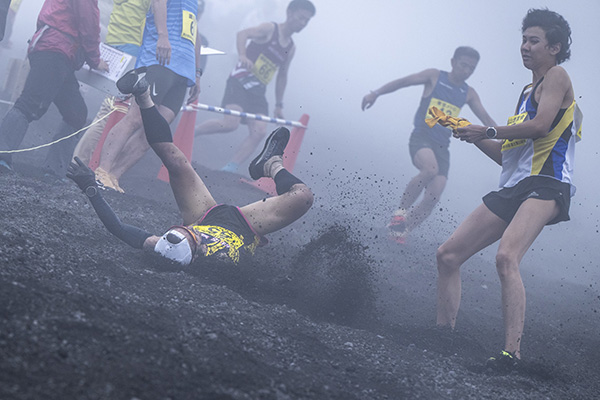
column 557, row 78
column 557, row 73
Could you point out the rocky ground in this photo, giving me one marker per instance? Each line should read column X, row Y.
column 329, row 310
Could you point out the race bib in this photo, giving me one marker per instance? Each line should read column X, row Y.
column 264, row 69
column 188, row 27
column 511, row 144
column 514, row 120
column 517, row 119
column 447, row 108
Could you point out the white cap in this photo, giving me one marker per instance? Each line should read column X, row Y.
column 180, row 252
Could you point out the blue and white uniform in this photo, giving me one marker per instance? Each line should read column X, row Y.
column 550, row 156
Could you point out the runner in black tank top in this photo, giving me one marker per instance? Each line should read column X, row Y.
column 265, row 53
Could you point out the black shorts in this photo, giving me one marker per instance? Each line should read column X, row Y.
column 251, row 101
column 229, row 217
column 227, row 234
column 166, row 87
column 419, row 140
column 505, row 202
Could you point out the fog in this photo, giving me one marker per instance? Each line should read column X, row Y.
column 350, row 48
column 346, row 51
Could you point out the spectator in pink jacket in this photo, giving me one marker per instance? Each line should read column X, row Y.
column 68, row 34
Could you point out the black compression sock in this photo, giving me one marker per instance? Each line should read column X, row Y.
column 156, row 127
column 284, row 181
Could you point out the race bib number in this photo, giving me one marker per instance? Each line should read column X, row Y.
column 447, row 108
column 264, row 69
column 514, row 120
column 188, row 27
column 517, row 119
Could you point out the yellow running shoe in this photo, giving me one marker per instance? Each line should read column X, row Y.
column 108, row 180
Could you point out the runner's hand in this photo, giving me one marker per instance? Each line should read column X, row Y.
column 246, row 62
column 163, row 50
column 81, row 174
column 103, row 66
column 194, row 92
column 279, row 113
column 368, row 100
column 470, row 134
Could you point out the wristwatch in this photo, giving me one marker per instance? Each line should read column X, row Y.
column 91, row 191
column 491, row 132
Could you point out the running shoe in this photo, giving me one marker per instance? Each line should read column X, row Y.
column 397, row 227
column 133, row 82
column 398, row 237
column 504, row 362
column 398, row 221
column 274, row 146
column 116, row 185
column 107, row 181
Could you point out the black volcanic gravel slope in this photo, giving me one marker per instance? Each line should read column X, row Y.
column 318, row 314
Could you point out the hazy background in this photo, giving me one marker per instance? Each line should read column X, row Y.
column 359, row 160
column 349, row 48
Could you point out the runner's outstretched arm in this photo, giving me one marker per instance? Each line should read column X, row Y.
column 427, row 77
column 84, row 177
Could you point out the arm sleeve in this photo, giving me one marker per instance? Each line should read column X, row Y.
column 133, row 236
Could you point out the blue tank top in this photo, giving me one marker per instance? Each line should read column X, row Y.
column 181, row 25
column 448, row 98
